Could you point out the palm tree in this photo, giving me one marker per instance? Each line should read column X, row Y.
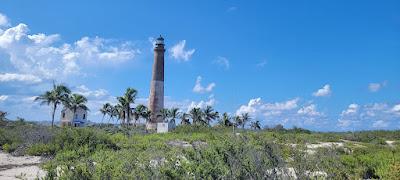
column 113, row 112
column 120, row 109
column 197, row 115
column 255, row 125
column 105, row 110
column 138, row 112
column 185, row 118
column 54, row 97
column 225, row 120
column 125, row 102
column 173, row 114
column 238, row 121
column 75, row 102
column 3, row 115
column 164, row 114
column 210, row 115
column 146, row 114
column 245, row 118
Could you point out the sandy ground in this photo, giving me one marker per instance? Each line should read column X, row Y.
column 390, row 143
column 23, row 167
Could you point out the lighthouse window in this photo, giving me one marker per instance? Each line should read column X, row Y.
column 63, row 114
column 84, row 116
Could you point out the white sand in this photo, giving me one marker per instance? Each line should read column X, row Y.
column 390, row 143
column 23, row 167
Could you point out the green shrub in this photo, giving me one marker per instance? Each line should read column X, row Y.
column 10, row 147
column 41, row 149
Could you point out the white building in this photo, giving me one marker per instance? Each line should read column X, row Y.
column 68, row 118
column 163, row 127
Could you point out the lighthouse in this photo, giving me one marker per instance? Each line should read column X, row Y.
column 156, row 98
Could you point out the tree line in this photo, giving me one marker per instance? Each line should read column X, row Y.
column 127, row 115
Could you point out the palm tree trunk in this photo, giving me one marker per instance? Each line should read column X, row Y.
column 73, row 116
column 128, row 115
column 53, row 113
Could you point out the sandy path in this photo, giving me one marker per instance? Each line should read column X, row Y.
column 23, row 167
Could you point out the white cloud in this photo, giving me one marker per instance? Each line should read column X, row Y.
column 26, row 78
column 310, row 110
column 29, row 99
column 349, row 116
column 252, row 107
column 178, row 51
column 396, row 109
column 3, row 98
column 256, row 106
column 222, row 61
column 3, row 20
column 352, row 109
column 365, row 116
column 41, row 55
column 198, row 88
column 287, row 113
column 380, row 124
column 375, row 87
column 202, row 104
column 83, row 90
column 324, row 91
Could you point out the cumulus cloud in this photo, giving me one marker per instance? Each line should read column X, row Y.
column 41, row 55
column 380, row 124
column 310, row 110
column 198, row 88
column 85, row 91
column 3, row 98
column 352, row 109
column 26, row 78
column 375, row 87
column 375, row 115
column 3, row 20
column 396, row 109
column 202, row 104
column 267, row 109
column 289, row 113
column 223, row 62
column 179, row 53
column 324, row 91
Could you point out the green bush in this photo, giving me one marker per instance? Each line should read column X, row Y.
column 41, row 150
column 10, row 147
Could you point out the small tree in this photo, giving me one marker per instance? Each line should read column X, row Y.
column 185, row 119
column 197, row 115
column 225, row 120
column 3, row 115
column 138, row 112
column 125, row 104
column 105, row 109
column 174, row 114
column 53, row 98
column 164, row 114
column 255, row 125
column 209, row 115
column 245, row 117
column 75, row 102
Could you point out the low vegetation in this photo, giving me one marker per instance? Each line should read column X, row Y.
column 203, row 152
column 195, row 150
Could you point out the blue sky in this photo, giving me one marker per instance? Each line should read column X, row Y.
column 322, row 65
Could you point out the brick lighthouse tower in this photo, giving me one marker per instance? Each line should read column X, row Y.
column 156, row 99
